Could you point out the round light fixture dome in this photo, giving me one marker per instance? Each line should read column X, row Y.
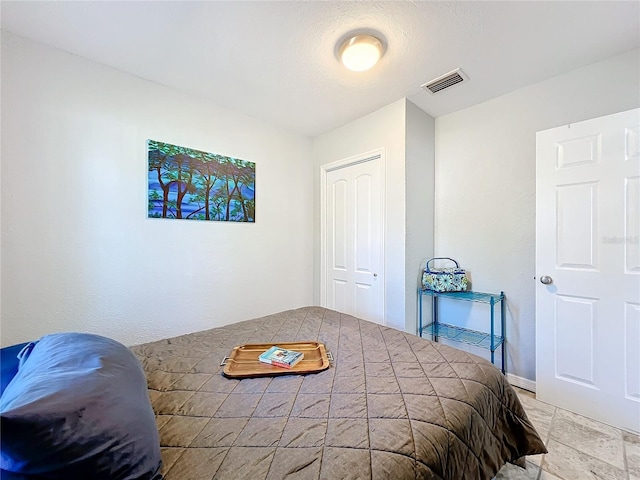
column 361, row 52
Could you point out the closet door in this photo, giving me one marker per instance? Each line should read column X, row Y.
column 353, row 253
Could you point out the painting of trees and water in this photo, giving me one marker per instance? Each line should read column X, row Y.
column 194, row 185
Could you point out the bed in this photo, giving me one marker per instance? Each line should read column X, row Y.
column 392, row 405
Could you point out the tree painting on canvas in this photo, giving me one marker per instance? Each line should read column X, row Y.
column 195, row 185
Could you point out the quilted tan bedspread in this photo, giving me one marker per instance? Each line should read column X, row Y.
column 392, row 406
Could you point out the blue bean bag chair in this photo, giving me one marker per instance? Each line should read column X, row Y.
column 76, row 408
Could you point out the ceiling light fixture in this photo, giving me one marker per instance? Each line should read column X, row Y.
column 361, row 52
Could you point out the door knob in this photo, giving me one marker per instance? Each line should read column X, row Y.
column 547, row 280
column 375, row 274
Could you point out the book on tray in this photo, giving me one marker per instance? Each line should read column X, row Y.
column 281, row 357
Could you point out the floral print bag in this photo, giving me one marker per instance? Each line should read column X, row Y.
column 453, row 279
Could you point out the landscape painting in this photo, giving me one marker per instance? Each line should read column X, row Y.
column 194, row 185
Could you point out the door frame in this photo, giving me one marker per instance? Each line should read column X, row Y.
column 377, row 154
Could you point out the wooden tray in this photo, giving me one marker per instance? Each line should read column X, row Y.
column 243, row 361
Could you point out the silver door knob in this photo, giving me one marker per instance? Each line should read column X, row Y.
column 547, row 280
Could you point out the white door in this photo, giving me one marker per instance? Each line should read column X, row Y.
column 588, row 268
column 352, row 233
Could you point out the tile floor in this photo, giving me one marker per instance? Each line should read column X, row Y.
column 579, row 448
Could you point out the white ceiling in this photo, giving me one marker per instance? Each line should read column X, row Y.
column 275, row 60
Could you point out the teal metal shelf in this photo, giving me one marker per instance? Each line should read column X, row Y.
column 488, row 340
column 468, row 296
column 464, row 335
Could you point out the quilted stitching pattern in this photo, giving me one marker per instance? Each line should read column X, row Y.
column 391, row 406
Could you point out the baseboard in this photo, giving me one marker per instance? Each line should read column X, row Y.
column 524, row 383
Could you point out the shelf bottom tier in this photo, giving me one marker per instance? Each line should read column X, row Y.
column 464, row 335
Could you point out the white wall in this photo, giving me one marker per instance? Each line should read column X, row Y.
column 485, row 186
column 419, row 164
column 78, row 251
column 384, row 128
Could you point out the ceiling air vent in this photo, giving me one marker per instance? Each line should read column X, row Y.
column 445, row 81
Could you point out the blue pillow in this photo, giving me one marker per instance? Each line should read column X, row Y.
column 9, row 364
column 79, row 408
